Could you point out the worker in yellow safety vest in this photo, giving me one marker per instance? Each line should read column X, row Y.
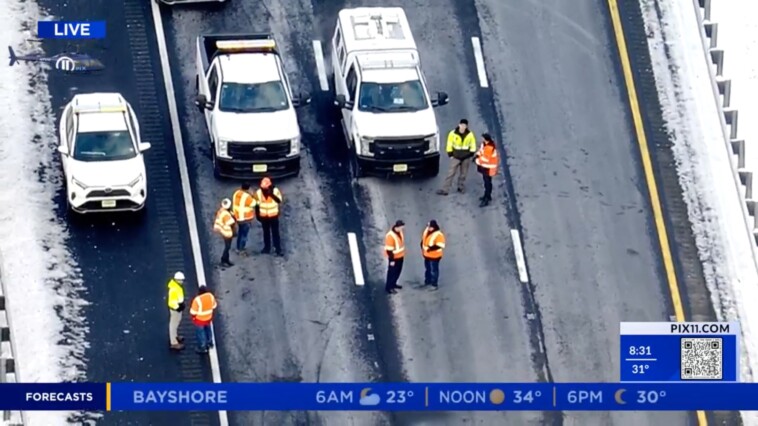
column 243, row 207
column 461, row 147
column 175, row 308
column 225, row 225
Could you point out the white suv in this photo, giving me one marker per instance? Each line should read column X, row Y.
column 102, row 155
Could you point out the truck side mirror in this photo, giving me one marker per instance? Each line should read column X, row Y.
column 63, row 150
column 442, row 99
column 342, row 102
column 144, row 146
column 202, row 103
column 301, row 100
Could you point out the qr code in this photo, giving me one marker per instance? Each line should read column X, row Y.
column 702, row 358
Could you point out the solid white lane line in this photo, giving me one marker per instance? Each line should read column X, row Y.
column 319, row 53
column 189, row 206
column 520, row 261
column 479, row 58
column 355, row 256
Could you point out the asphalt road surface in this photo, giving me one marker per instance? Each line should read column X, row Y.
column 555, row 102
column 127, row 259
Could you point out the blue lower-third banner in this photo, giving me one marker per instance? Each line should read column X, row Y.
column 379, row 396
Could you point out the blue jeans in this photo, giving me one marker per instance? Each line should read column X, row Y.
column 204, row 336
column 243, row 228
column 432, row 274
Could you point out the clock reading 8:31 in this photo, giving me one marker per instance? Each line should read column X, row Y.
column 640, row 351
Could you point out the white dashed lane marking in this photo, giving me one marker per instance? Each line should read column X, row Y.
column 319, row 53
column 479, row 58
column 355, row 256
column 519, row 251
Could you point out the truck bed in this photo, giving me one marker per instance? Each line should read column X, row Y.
column 207, row 44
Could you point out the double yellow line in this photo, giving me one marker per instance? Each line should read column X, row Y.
column 647, row 165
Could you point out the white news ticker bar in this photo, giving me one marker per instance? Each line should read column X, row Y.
column 682, row 328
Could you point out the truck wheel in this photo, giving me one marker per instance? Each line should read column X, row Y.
column 356, row 171
column 434, row 169
column 216, row 168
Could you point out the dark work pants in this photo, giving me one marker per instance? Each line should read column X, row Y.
column 487, row 186
column 393, row 274
column 432, row 273
column 271, row 230
column 227, row 246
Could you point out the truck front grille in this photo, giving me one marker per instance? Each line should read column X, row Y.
column 258, row 151
column 399, row 149
column 114, row 193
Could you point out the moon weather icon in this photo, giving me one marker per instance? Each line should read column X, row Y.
column 497, row 396
column 618, row 396
column 368, row 398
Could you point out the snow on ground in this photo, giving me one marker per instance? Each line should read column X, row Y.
column 704, row 165
column 43, row 288
column 738, row 36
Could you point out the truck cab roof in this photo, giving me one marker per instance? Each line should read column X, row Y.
column 376, row 28
column 236, row 68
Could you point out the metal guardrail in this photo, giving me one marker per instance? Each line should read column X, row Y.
column 729, row 117
column 8, row 372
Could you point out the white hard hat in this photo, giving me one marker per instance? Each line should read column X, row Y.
column 226, row 203
column 179, row 276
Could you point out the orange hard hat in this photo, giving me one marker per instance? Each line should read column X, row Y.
column 265, row 183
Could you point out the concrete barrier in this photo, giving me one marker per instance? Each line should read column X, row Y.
column 8, row 371
column 729, row 117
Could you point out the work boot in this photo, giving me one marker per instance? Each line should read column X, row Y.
column 242, row 253
column 201, row 350
column 399, row 287
column 461, row 189
column 177, row 347
column 391, row 291
column 226, row 263
column 441, row 192
column 266, row 251
column 485, row 202
column 280, row 253
column 433, row 288
column 180, row 339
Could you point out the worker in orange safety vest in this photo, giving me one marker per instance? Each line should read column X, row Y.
column 225, row 225
column 394, row 249
column 432, row 246
column 201, row 312
column 486, row 163
column 267, row 209
column 243, row 208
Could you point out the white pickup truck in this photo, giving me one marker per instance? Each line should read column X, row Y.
column 249, row 109
column 387, row 114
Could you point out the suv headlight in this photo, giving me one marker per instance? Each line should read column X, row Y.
column 434, row 143
column 137, row 180
column 222, row 148
column 364, row 148
column 79, row 183
column 294, row 146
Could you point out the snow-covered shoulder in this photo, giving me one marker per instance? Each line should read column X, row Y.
column 42, row 281
column 704, row 165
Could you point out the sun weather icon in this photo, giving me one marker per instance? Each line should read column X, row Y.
column 368, row 398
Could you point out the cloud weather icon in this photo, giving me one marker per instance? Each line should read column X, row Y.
column 368, row 398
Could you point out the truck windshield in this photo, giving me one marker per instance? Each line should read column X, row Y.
column 104, row 146
column 392, row 97
column 262, row 97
